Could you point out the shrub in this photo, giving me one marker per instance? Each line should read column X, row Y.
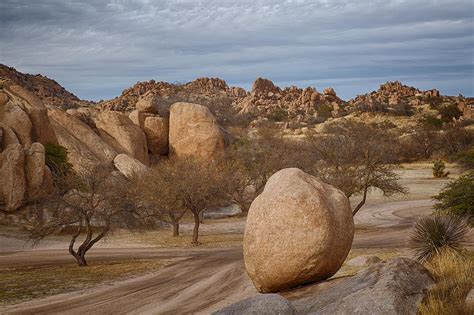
column 438, row 169
column 436, row 233
column 457, row 198
column 454, row 276
column 56, row 157
column 449, row 112
column 431, row 121
column 466, row 159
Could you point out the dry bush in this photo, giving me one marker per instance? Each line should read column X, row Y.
column 454, row 276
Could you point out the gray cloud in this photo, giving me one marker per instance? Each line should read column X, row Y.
column 98, row 48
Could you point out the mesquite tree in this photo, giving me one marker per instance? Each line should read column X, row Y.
column 87, row 206
column 357, row 157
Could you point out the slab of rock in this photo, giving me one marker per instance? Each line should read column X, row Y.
column 194, row 131
column 35, row 170
column 128, row 166
column 393, row 287
column 85, row 147
column 119, row 131
column 156, row 130
column 12, row 176
column 262, row 304
column 363, row 261
column 42, row 131
column 298, row 230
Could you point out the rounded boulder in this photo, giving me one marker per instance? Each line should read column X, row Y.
column 299, row 230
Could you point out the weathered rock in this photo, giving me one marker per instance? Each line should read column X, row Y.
column 85, row 147
column 126, row 137
column 156, row 131
column 129, row 166
column 194, row 131
column 35, row 170
column 12, row 176
column 363, row 261
column 8, row 136
column 329, row 91
column 18, row 121
column 393, row 287
column 42, row 130
column 470, row 300
column 262, row 304
column 298, row 230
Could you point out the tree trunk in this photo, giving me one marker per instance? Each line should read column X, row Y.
column 81, row 260
column 361, row 203
column 196, row 228
column 175, row 228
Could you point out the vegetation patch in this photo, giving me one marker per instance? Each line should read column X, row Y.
column 18, row 284
column 454, row 275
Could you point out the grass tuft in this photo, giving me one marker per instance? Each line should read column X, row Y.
column 454, row 275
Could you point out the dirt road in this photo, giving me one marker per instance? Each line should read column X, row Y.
column 202, row 280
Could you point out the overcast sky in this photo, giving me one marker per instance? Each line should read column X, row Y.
column 97, row 48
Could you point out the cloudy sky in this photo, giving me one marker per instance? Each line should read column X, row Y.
column 97, row 48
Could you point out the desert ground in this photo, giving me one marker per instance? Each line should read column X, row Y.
column 206, row 278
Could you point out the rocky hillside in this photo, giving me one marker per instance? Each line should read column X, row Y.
column 46, row 89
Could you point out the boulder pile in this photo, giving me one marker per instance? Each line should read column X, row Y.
column 24, row 128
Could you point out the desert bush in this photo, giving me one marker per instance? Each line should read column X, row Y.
column 431, row 121
column 56, row 158
column 449, row 112
column 438, row 169
column 457, row 198
column 466, row 159
column 454, row 139
column 436, row 233
column 454, row 276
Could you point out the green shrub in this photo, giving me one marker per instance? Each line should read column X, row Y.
column 431, row 121
column 438, row 169
column 434, row 234
column 457, row 198
column 466, row 159
column 57, row 159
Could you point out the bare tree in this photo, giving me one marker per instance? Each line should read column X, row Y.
column 355, row 158
column 89, row 205
column 156, row 197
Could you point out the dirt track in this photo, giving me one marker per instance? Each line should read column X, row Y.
column 202, row 280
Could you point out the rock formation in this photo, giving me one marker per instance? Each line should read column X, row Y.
column 298, row 230
column 261, row 304
column 85, row 147
column 47, row 90
column 122, row 134
column 193, row 131
column 393, row 287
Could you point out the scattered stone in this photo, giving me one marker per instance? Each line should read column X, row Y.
column 298, row 230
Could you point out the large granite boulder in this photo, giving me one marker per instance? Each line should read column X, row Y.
column 35, row 169
column 394, row 287
column 298, row 230
column 8, row 136
column 122, row 134
column 17, row 120
column 262, row 304
column 194, row 131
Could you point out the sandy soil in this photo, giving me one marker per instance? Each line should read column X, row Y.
column 204, row 280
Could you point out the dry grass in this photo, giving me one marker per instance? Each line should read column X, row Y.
column 454, row 275
column 163, row 238
column 24, row 283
